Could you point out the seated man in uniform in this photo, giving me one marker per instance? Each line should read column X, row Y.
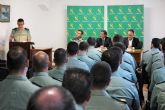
column 154, row 55
column 16, row 89
column 20, row 34
column 78, row 38
column 51, row 98
column 127, row 57
column 93, row 53
column 60, row 60
column 160, row 101
column 82, row 55
column 73, row 62
column 40, row 65
column 79, row 83
column 120, row 87
column 124, row 65
column 100, row 100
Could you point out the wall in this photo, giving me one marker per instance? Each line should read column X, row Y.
column 47, row 19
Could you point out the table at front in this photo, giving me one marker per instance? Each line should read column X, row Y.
column 136, row 53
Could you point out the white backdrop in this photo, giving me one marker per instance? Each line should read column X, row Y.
column 47, row 19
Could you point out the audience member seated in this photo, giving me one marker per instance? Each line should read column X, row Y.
column 60, row 60
column 100, row 100
column 127, row 57
column 82, row 55
column 51, row 98
column 159, row 87
column 120, row 87
column 93, row 53
column 124, row 65
column 40, row 65
column 104, row 40
column 158, row 75
column 160, row 102
column 16, row 89
column 154, row 56
column 73, row 62
column 79, row 83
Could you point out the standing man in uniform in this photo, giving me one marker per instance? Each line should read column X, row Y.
column 20, row 34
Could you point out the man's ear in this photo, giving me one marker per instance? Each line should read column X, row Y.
column 27, row 63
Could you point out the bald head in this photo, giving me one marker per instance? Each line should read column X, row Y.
column 40, row 61
column 51, row 98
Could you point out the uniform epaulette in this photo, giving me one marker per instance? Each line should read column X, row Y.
column 127, row 79
column 119, row 99
column 155, row 53
column 156, row 60
column 26, row 29
column 127, row 62
column 160, row 82
column 145, row 51
column 15, row 29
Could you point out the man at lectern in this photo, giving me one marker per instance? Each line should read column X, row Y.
column 20, row 34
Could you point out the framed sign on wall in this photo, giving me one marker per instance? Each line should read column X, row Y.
column 4, row 13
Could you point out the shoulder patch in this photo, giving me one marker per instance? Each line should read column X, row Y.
column 160, row 82
column 119, row 99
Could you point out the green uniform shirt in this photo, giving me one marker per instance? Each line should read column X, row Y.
column 100, row 100
column 15, row 92
column 42, row 79
column 21, row 36
column 57, row 73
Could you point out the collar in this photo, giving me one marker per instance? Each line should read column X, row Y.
column 79, row 107
column 16, row 77
column 60, row 67
column 116, row 72
column 72, row 57
column 99, row 93
column 40, row 74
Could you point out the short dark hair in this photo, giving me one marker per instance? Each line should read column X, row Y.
column 82, row 32
column 40, row 63
column 121, row 46
column 162, row 42
column 104, row 31
column 156, row 42
column 60, row 56
column 16, row 58
column 101, row 72
column 118, row 38
column 112, row 56
column 65, row 102
column 72, row 48
column 131, row 30
column 20, row 20
column 91, row 41
column 78, row 82
column 83, row 46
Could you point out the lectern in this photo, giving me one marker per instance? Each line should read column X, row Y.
column 25, row 45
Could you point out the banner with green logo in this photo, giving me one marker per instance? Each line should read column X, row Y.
column 125, row 17
column 88, row 18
